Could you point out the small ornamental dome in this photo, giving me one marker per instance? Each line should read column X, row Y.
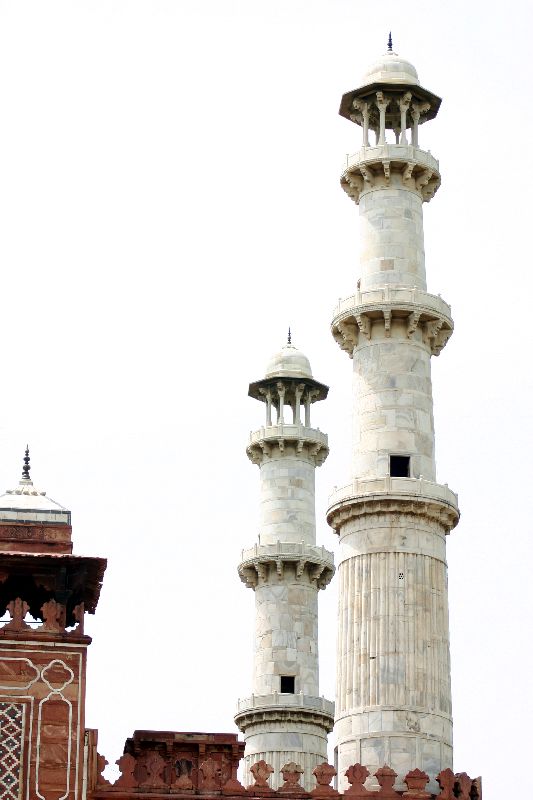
column 390, row 68
column 26, row 502
column 27, row 497
column 289, row 362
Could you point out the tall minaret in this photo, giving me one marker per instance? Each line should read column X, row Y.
column 393, row 703
column 285, row 719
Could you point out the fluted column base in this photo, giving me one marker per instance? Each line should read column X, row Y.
column 282, row 728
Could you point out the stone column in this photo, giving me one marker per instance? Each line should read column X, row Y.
column 404, row 103
column 382, row 104
column 362, row 107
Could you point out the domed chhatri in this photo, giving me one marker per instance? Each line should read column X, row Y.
column 293, row 367
column 391, row 68
column 289, row 362
column 390, row 90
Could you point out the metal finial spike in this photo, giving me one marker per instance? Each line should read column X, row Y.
column 26, row 468
column 289, row 337
column 389, row 43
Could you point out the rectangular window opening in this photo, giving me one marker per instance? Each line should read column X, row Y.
column 287, row 684
column 400, row 466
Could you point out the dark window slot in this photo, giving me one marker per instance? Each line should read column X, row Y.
column 400, row 466
column 287, row 684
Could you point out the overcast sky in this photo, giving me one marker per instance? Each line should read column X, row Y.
column 169, row 204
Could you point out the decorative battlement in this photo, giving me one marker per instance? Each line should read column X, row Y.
column 159, row 769
column 399, row 165
column 301, row 438
column 373, row 495
column 258, row 562
column 355, row 316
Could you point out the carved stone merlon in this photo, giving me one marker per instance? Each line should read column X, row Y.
column 416, row 781
column 17, row 610
column 126, row 765
column 386, row 777
column 210, row 772
column 291, row 775
column 324, row 774
column 356, row 776
column 261, row 772
column 53, row 617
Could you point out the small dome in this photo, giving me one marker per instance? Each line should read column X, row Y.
column 28, row 498
column 289, row 362
column 26, row 503
column 390, row 68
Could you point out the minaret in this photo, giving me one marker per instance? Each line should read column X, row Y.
column 285, row 719
column 393, row 703
column 46, row 591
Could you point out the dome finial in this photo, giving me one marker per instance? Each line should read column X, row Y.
column 289, row 337
column 389, row 43
column 26, row 468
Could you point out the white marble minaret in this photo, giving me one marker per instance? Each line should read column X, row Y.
column 393, row 703
column 285, row 719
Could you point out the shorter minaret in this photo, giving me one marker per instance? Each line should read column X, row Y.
column 285, row 719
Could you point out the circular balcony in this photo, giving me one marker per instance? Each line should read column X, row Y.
column 286, row 708
column 316, row 562
column 375, row 495
column 309, row 440
column 403, row 165
column 355, row 315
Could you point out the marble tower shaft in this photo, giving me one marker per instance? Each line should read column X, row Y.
column 393, row 699
column 285, row 719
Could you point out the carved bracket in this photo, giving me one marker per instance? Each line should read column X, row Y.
column 412, row 323
column 365, row 325
column 367, row 174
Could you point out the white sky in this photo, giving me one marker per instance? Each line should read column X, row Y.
column 169, row 204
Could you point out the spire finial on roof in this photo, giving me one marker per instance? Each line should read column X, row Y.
column 389, row 43
column 26, row 468
column 289, row 337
